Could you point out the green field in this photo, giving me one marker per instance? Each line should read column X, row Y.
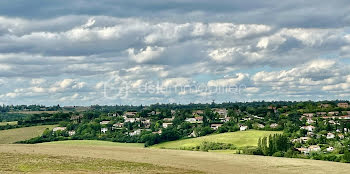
column 20, row 134
column 10, row 123
column 239, row 139
column 37, row 163
column 94, row 143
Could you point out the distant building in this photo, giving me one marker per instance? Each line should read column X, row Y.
column 324, row 105
column 308, row 114
column 221, row 111
column 215, row 126
column 243, row 128
column 129, row 114
column 343, row 105
column 273, row 125
column 261, row 126
column 168, row 119
column 330, row 135
column 308, row 128
column 117, row 126
column 59, row 129
column 136, row 132
column 104, row 122
column 330, row 149
column 165, row 125
column 314, row 148
column 71, row 133
column 113, row 114
column 104, row 130
column 197, row 112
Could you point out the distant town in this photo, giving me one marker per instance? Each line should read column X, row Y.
column 316, row 130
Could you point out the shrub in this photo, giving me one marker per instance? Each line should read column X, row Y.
column 206, row 146
column 278, row 154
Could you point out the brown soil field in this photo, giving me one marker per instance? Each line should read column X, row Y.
column 185, row 160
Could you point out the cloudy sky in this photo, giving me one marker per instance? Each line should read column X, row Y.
column 142, row 52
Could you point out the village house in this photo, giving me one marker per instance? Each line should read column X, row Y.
column 341, row 136
column 71, row 133
column 227, row 119
column 129, row 114
column 154, row 113
column 199, row 118
column 131, row 120
column 136, row 132
column 273, row 125
column 308, row 128
column 193, row 134
column 146, row 123
column 324, row 105
column 332, row 122
column 243, row 128
column 330, row 135
column 304, row 139
column 168, row 119
column 157, row 132
column 221, row 111
column 104, row 122
column 343, row 105
column 308, row 114
column 59, row 129
column 321, row 113
column 261, row 126
column 310, row 120
column 165, row 125
column 215, row 126
column 197, row 112
column 330, row 149
column 329, row 117
column 191, row 120
column 104, row 130
column 333, row 113
column 345, row 117
column 257, row 117
column 113, row 114
column 310, row 134
column 117, row 126
column 303, row 150
column 314, row 148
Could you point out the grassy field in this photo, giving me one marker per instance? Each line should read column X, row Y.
column 35, row 163
column 52, row 159
column 10, row 123
column 94, row 143
column 239, row 139
column 19, row 134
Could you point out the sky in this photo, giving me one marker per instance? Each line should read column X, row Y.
column 112, row 52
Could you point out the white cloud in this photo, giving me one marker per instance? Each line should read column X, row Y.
column 227, row 82
column 145, row 55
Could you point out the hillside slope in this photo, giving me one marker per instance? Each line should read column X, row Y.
column 239, row 139
column 186, row 160
column 19, row 134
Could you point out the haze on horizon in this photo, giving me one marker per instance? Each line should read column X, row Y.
column 67, row 53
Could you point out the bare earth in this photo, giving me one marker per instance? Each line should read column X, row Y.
column 202, row 161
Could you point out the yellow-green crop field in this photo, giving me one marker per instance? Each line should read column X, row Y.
column 239, row 139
